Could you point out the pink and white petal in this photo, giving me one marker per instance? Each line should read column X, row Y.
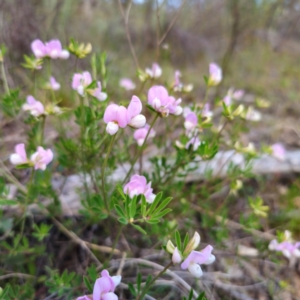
column 76, row 81
column 20, row 150
column 109, row 296
column 134, row 107
column 110, row 113
column 121, row 115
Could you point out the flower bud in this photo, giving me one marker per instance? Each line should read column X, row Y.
column 170, row 247
column 192, row 244
column 176, row 257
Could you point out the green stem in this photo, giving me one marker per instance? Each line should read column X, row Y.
column 115, row 242
column 82, row 132
column 6, row 88
column 42, row 128
column 146, row 288
column 103, row 172
column 141, row 149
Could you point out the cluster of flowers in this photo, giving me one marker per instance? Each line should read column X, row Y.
column 51, row 49
column 104, row 287
column 191, row 259
column 288, row 247
column 39, row 160
column 81, row 82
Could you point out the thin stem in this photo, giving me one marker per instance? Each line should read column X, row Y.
column 6, row 88
column 146, row 288
column 115, row 242
column 157, row 31
column 42, row 128
column 126, row 18
column 172, row 23
column 141, row 149
column 103, row 172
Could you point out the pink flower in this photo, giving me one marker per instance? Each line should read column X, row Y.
column 206, row 112
column 197, row 258
column 164, row 104
column 288, row 248
column 104, row 287
column 97, row 93
column 54, row 84
column 238, row 94
column 115, row 116
column 155, row 71
column 134, row 118
column 35, row 107
column 278, row 151
column 19, row 157
column 138, row 186
column 141, row 133
column 52, row 49
column 191, row 121
column 186, row 110
column 227, row 100
column 215, row 74
column 41, row 158
column 81, row 81
column 195, row 142
column 127, row 84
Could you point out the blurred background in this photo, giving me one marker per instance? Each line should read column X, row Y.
column 257, row 43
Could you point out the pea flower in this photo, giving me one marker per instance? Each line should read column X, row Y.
column 104, row 287
column 53, row 84
column 81, row 81
column 115, row 117
column 206, row 112
column 191, row 121
column 52, row 49
column 215, row 74
column 197, row 258
column 233, row 95
column 19, row 157
column 179, row 86
column 41, row 158
column 288, row 248
column 35, row 107
column 194, row 142
column 97, row 92
column 138, row 186
column 141, row 133
column 164, row 104
column 127, row 84
column 278, row 151
column 155, row 71
column 134, row 117
column 192, row 259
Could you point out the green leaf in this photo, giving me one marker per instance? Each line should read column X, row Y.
column 178, row 240
column 132, row 289
column 120, row 211
column 87, row 284
column 139, row 281
column 8, row 202
column 163, row 204
column 185, row 242
column 162, row 213
column 133, row 207
column 123, row 221
column 153, row 221
column 144, row 207
column 139, row 228
column 155, row 203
